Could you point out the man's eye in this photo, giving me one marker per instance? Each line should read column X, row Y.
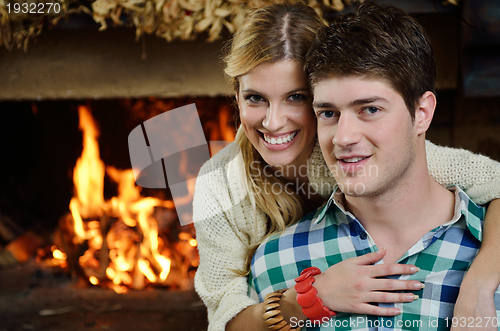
column 325, row 114
column 371, row 110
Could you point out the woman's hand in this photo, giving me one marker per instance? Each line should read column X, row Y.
column 475, row 306
column 351, row 285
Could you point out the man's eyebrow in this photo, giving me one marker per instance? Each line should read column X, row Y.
column 323, row 105
column 357, row 102
column 365, row 101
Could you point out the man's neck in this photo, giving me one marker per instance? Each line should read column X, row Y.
column 398, row 218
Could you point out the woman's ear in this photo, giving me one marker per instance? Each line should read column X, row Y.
column 425, row 112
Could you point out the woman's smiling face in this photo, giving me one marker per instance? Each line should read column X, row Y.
column 276, row 113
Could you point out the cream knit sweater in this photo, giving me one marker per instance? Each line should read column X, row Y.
column 226, row 223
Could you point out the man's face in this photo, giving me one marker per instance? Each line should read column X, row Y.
column 366, row 134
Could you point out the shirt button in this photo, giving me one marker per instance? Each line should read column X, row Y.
column 362, row 235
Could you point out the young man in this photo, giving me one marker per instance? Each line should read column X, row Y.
column 373, row 75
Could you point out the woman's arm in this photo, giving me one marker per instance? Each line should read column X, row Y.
column 251, row 318
column 223, row 235
column 476, row 297
column 479, row 176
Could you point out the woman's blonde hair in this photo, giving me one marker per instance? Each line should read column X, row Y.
column 274, row 33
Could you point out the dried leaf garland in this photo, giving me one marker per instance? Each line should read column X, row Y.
column 168, row 19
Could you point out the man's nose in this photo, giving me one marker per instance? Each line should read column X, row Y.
column 347, row 131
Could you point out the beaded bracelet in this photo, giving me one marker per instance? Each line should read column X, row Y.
column 272, row 314
column 307, row 296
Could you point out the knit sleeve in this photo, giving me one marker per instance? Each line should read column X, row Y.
column 477, row 175
column 222, row 245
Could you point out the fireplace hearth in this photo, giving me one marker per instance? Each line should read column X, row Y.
column 48, row 300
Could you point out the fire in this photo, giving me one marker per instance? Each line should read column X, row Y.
column 128, row 241
column 121, row 235
column 88, row 175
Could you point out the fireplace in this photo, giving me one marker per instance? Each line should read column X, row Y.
column 121, row 83
column 37, row 190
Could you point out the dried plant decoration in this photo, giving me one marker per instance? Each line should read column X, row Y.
column 168, row 19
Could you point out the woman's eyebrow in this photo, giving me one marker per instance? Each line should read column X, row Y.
column 300, row 89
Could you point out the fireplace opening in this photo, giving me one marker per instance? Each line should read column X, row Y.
column 41, row 144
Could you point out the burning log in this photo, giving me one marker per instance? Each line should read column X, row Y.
column 20, row 249
column 117, row 243
column 8, row 229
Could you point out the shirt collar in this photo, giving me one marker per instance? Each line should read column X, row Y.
column 335, row 200
column 464, row 207
column 472, row 213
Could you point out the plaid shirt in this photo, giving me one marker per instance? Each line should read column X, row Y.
column 331, row 234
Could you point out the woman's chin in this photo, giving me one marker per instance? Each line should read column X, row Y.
column 278, row 161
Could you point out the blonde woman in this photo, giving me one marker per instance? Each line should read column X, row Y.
column 274, row 173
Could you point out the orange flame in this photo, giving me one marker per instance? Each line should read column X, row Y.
column 122, row 235
column 88, row 177
column 129, row 233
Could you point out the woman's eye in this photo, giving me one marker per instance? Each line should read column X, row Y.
column 298, row 97
column 254, row 98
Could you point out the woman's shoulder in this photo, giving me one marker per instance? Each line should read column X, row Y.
column 219, row 162
column 222, row 171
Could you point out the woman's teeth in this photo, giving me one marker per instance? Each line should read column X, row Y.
column 280, row 140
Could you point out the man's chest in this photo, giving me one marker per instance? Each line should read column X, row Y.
column 443, row 260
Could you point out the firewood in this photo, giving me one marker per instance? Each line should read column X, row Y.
column 24, row 247
column 8, row 229
column 7, row 259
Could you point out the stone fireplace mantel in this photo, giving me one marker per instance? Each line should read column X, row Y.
column 88, row 64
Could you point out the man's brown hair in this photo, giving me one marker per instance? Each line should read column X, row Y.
column 376, row 41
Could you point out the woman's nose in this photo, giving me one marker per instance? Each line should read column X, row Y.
column 275, row 118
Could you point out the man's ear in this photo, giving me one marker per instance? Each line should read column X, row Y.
column 425, row 111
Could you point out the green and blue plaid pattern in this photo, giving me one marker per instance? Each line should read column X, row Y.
column 330, row 235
